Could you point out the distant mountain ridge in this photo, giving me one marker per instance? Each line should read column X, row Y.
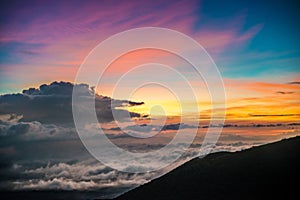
column 265, row 172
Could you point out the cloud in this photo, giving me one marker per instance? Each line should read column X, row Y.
column 18, row 129
column 38, row 155
column 51, row 165
column 294, row 83
column 177, row 126
column 258, row 87
column 251, row 125
column 89, row 170
column 42, row 156
column 52, row 104
column 132, row 103
column 55, row 184
column 237, row 146
column 148, row 128
column 294, row 124
column 62, row 41
column 86, row 175
column 281, row 92
column 34, row 131
column 59, row 88
column 273, row 115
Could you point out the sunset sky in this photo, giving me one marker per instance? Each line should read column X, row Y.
column 254, row 44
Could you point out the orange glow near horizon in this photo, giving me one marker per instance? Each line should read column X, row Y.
column 247, row 100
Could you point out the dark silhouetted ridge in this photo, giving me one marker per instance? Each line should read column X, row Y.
column 264, row 172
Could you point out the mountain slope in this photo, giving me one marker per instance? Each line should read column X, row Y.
column 257, row 173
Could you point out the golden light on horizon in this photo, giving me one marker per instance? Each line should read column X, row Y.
column 154, row 97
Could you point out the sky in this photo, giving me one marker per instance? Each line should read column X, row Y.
column 254, row 44
column 251, row 43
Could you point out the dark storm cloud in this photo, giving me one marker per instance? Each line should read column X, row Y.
column 53, row 104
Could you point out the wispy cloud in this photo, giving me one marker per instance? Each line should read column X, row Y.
column 281, row 92
column 62, row 41
column 294, row 83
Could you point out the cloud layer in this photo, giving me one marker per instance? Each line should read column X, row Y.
column 40, row 148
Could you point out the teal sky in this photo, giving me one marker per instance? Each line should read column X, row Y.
column 274, row 50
